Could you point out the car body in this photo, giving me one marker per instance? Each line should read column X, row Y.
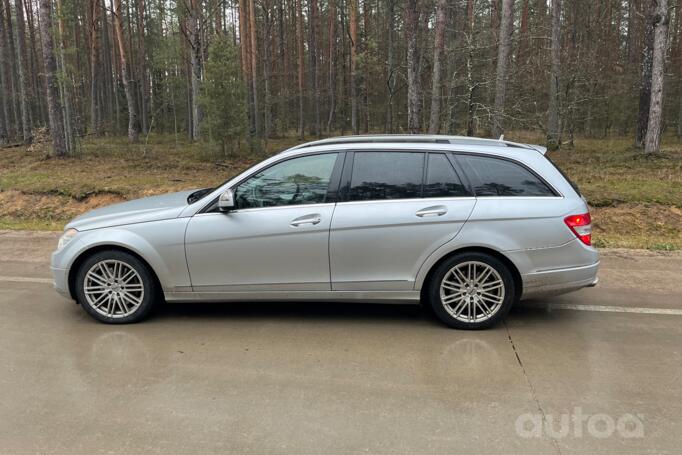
column 349, row 219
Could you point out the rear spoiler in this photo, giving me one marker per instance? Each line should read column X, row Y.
column 538, row 148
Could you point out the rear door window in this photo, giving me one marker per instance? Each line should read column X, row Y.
column 441, row 178
column 386, row 175
column 499, row 177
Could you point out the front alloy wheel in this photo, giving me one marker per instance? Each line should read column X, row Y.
column 471, row 291
column 115, row 287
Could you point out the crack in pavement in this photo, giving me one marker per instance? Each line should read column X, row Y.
column 545, row 423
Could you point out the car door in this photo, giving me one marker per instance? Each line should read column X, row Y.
column 277, row 238
column 397, row 208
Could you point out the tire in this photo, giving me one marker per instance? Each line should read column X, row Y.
column 121, row 289
column 461, row 305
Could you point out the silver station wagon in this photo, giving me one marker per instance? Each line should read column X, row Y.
column 466, row 226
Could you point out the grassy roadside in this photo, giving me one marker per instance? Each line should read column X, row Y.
column 636, row 202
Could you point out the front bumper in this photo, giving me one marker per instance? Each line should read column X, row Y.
column 60, row 281
column 60, row 266
column 559, row 281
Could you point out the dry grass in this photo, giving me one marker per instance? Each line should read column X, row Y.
column 44, row 193
column 637, row 202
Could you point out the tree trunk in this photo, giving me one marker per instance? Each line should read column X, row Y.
column 645, row 83
column 365, row 65
column 109, row 92
column 314, row 61
column 441, row 18
column 254, row 66
column 495, row 18
column 344, row 86
column 678, row 64
column 679, row 111
column 630, row 38
column 6, row 80
column 184, row 60
column 524, row 42
column 15, row 87
column 470, row 15
column 245, row 53
column 414, row 102
column 54, row 108
column 653, row 134
column 471, row 86
column 301, row 68
column 194, row 35
column 282, row 71
column 25, row 94
column 332, row 66
column 353, row 27
column 35, row 67
column 95, row 71
column 65, row 79
column 142, row 66
column 390, row 67
column 133, row 125
column 506, row 30
column 553, row 139
column 267, row 69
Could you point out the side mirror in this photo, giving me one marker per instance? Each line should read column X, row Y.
column 226, row 201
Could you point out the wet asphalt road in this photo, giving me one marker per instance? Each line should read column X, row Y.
column 597, row 371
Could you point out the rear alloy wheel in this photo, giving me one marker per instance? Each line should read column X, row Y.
column 471, row 291
column 115, row 287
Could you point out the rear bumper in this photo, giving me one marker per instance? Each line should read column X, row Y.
column 559, row 281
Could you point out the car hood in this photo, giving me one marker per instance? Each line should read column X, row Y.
column 152, row 208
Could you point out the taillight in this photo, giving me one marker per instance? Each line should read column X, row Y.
column 581, row 225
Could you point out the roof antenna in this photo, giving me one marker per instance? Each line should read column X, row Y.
column 501, row 137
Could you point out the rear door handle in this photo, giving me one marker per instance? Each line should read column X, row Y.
column 313, row 219
column 436, row 210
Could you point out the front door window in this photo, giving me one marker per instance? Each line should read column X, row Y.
column 297, row 181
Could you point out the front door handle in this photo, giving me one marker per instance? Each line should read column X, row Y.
column 313, row 219
column 436, row 210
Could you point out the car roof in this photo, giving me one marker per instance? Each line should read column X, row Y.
column 464, row 142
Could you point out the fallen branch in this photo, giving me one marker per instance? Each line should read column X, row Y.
column 11, row 146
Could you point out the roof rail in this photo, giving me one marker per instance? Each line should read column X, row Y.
column 415, row 138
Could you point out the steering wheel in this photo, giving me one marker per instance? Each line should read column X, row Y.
column 297, row 194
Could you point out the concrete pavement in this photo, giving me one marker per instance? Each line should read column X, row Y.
column 342, row 378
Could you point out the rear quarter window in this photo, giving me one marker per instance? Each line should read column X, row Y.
column 564, row 175
column 499, row 177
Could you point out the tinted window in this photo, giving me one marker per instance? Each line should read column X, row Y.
column 386, row 175
column 441, row 178
column 302, row 180
column 496, row 177
column 568, row 179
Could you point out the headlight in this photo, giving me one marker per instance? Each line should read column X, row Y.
column 66, row 237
